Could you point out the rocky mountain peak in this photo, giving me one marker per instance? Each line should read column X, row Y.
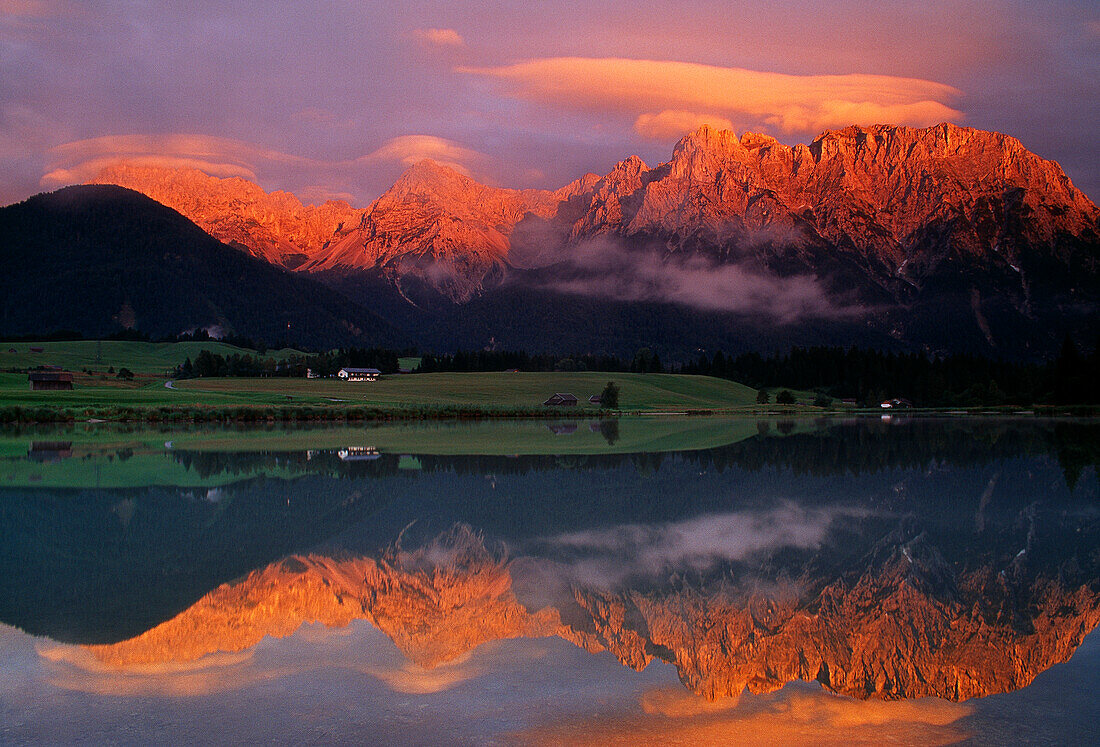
column 427, row 174
column 708, row 139
column 276, row 227
column 887, row 213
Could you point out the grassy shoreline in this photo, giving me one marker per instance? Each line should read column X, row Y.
column 294, row 413
column 150, row 397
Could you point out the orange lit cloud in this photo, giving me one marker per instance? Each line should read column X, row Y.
column 413, row 679
column 660, row 92
column 440, row 37
column 408, row 149
column 795, row 715
column 37, row 8
column 74, row 668
column 80, row 161
column 672, row 123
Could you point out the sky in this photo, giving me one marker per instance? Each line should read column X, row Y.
column 335, row 99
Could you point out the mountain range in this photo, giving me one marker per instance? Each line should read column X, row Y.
column 944, row 239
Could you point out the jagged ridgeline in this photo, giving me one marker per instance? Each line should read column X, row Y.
column 945, row 238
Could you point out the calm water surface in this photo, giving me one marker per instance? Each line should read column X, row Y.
column 820, row 582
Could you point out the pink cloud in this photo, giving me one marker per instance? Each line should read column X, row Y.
column 674, row 123
column 81, row 161
column 440, row 37
column 605, row 268
column 660, row 90
column 797, row 714
column 408, row 149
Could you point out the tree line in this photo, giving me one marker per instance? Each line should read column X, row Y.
column 209, row 364
column 872, row 376
column 866, row 376
column 644, row 361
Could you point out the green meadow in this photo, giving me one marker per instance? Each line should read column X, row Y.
column 151, row 395
column 489, row 390
column 99, row 355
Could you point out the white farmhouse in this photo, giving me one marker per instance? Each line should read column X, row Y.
column 359, row 374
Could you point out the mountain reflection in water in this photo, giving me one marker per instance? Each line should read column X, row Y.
column 883, row 563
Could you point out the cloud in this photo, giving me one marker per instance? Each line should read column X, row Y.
column 311, row 179
column 75, row 668
column 38, row 8
column 80, row 161
column 605, row 268
column 317, row 193
column 409, row 149
column 673, row 123
column 657, row 89
column 414, row 679
column 440, row 37
column 608, row 557
column 360, row 648
column 798, row 714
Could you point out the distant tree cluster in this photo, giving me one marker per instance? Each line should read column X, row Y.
column 871, row 376
column 646, row 361
column 209, row 364
column 493, row 360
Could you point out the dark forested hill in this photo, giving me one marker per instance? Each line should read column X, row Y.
column 99, row 259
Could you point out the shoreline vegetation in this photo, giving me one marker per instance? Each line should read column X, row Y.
column 304, row 414
column 212, row 455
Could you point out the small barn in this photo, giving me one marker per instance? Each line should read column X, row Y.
column 46, row 381
column 561, row 399
column 50, row 451
column 595, row 399
column 359, row 374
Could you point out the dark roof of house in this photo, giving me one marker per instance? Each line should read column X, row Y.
column 361, row 370
column 561, row 398
column 49, row 376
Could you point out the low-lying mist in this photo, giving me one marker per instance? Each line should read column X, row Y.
column 607, row 269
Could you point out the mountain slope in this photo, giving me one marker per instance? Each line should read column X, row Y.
column 276, row 227
column 944, row 239
column 905, row 205
column 441, row 226
column 97, row 259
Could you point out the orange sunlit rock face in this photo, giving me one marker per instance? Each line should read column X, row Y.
column 434, row 609
column 880, row 191
column 882, row 632
column 275, row 227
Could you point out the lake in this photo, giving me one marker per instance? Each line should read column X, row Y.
column 682, row 580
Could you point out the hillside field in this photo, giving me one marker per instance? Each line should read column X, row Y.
column 490, row 390
column 140, row 357
column 96, row 391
